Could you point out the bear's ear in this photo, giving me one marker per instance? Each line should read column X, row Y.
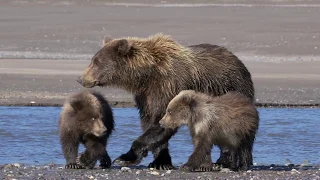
column 106, row 39
column 76, row 104
column 186, row 99
column 123, row 47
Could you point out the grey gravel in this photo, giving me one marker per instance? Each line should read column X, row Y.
column 53, row 171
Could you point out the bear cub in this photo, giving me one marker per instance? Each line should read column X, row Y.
column 228, row 121
column 87, row 119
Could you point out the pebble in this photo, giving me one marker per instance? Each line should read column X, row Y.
column 249, row 171
column 289, row 165
column 169, row 172
column 138, row 172
column 293, row 171
column 125, row 169
column 156, row 173
column 17, row 165
column 225, row 170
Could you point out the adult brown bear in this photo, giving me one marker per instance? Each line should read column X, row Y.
column 155, row 70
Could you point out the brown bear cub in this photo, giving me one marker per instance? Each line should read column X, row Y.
column 86, row 118
column 230, row 120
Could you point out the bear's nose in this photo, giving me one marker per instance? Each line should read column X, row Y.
column 79, row 79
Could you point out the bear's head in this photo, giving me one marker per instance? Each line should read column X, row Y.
column 179, row 110
column 89, row 114
column 132, row 63
column 106, row 64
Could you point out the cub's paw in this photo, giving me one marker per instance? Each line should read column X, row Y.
column 73, row 166
column 186, row 167
column 89, row 165
column 160, row 166
column 206, row 168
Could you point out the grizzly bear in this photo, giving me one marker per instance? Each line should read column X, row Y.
column 156, row 69
column 86, row 118
column 230, row 120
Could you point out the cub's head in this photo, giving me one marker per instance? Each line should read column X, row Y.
column 179, row 110
column 89, row 114
column 107, row 64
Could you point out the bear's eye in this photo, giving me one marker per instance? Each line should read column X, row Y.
column 169, row 112
column 93, row 119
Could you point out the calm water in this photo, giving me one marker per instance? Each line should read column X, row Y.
column 30, row 135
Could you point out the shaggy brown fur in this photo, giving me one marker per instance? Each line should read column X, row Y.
column 156, row 69
column 230, row 120
column 86, row 118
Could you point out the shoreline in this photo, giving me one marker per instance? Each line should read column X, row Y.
column 52, row 171
column 122, row 104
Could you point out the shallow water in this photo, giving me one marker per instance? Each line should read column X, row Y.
column 30, row 135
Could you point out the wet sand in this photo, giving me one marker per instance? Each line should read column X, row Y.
column 50, row 82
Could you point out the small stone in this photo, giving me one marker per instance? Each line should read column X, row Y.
column 91, row 177
column 249, row 171
column 294, row 171
column 151, row 169
column 17, row 165
column 125, row 169
column 162, row 174
column 32, row 102
column 289, row 164
column 138, row 172
column 156, row 173
column 199, row 177
column 225, row 170
column 169, row 172
column 8, row 166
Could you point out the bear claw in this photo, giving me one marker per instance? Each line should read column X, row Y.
column 73, row 166
column 161, row 166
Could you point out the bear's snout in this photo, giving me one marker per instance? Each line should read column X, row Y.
column 79, row 80
column 161, row 122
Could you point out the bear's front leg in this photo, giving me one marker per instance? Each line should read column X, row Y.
column 105, row 161
column 162, row 158
column 200, row 160
column 94, row 151
column 152, row 138
column 70, row 151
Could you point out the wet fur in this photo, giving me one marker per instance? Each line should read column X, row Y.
column 77, row 127
column 228, row 121
column 156, row 69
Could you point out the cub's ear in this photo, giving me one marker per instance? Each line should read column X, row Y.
column 106, row 39
column 123, row 47
column 76, row 104
column 186, row 99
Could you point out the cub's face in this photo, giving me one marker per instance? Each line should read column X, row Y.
column 177, row 114
column 91, row 121
column 98, row 128
column 107, row 65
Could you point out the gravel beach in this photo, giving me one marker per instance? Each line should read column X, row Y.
column 45, row 45
column 52, row 171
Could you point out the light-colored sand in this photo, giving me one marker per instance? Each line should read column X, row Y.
column 278, row 41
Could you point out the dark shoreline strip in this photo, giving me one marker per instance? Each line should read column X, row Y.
column 119, row 104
